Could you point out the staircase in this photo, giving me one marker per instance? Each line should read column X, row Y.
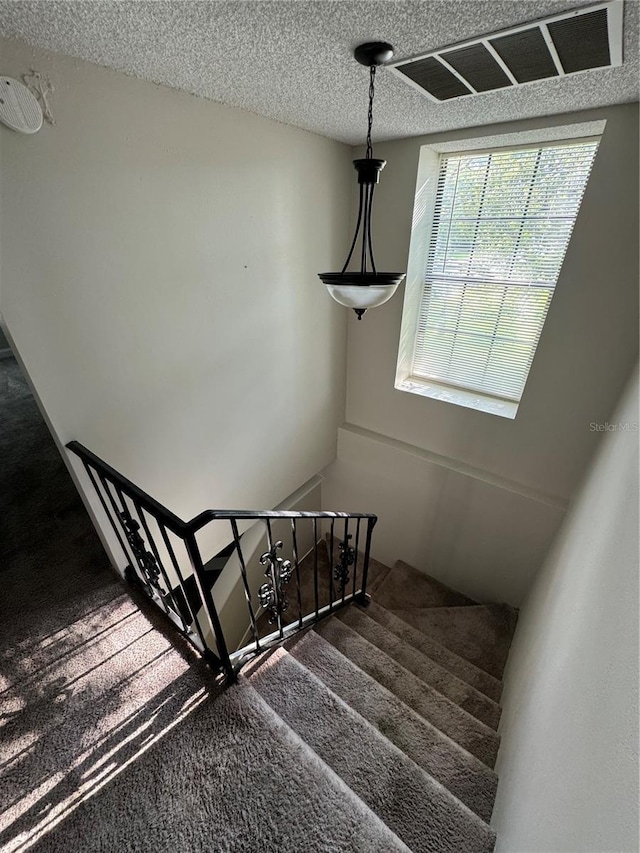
column 398, row 701
column 361, row 713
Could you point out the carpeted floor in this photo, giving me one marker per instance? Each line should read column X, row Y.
column 370, row 733
column 43, row 523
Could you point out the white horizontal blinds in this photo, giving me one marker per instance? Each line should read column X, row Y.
column 501, row 227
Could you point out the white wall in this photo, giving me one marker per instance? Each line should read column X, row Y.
column 482, row 534
column 568, row 763
column 588, row 347
column 158, row 272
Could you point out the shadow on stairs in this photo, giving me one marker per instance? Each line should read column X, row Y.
column 400, row 702
column 373, row 732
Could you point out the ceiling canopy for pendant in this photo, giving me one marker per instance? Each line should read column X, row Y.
column 366, row 288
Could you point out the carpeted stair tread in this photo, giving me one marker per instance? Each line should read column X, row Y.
column 406, row 587
column 458, row 691
column 430, row 647
column 473, row 735
column 376, row 575
column 468, row 779
column 324, row 813
column 482, row 634
column 230, row 777
column 420, row 811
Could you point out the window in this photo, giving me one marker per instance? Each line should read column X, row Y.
column 501, row 224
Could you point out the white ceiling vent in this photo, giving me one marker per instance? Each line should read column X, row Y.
column 564, row 44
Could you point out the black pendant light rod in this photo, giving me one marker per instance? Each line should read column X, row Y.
column 355, row 236
column 366, row 220
column 369, row 243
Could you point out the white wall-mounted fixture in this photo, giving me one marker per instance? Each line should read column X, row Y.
column 19, row 109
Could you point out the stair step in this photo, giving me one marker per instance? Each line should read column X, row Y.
column 458, row 691
column 481, row 634
column 268, row 790
column 420, row 811
column 476, row 737
column 430, row 647
column 406, row 587
column 468, row 779
column 376, row 575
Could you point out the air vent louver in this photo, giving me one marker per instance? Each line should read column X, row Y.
column 478, row 66
column 432, row 76
column 582, row 40
column 526, row 54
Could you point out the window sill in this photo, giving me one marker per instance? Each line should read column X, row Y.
column 459, row 397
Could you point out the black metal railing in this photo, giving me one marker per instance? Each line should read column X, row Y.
column 284, row 570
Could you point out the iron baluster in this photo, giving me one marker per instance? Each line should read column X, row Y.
column 355, row 561
column 133, row 572
column 207, row 598
column 106, row 510
column 315, row 563
column 176, row 567
column 167, row 597
column 245, row 583
column 272, row 594
column 145, row 559
column 365, row 569
column 294, row 539
column 331, row 565
column 344, row 562
column 269, row 593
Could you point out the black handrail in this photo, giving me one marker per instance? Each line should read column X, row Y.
column 175, row 576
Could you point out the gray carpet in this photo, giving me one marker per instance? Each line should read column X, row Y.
column 466, row 777
column 404, row 587
column 426, row 816
column 431, row 672
column 369, row 733
column 430, row 647
column 41, row 514
column 470, row 733
column 481, row 634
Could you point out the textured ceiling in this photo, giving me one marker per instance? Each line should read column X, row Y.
column 292, row 61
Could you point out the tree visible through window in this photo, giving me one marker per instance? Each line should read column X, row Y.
column 501, row 227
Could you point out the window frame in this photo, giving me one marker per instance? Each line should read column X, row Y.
column 420, row 241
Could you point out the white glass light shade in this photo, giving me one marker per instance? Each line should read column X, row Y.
column 362, row 296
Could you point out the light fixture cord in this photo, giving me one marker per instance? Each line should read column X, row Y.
column 368, row 200
column 366, row 195
column 372, row 91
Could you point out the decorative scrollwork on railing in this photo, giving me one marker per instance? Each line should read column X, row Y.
column 146, row 560
column 272, row 594
column 347, row 559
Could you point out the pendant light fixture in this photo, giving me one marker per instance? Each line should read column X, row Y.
column 367, row 288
